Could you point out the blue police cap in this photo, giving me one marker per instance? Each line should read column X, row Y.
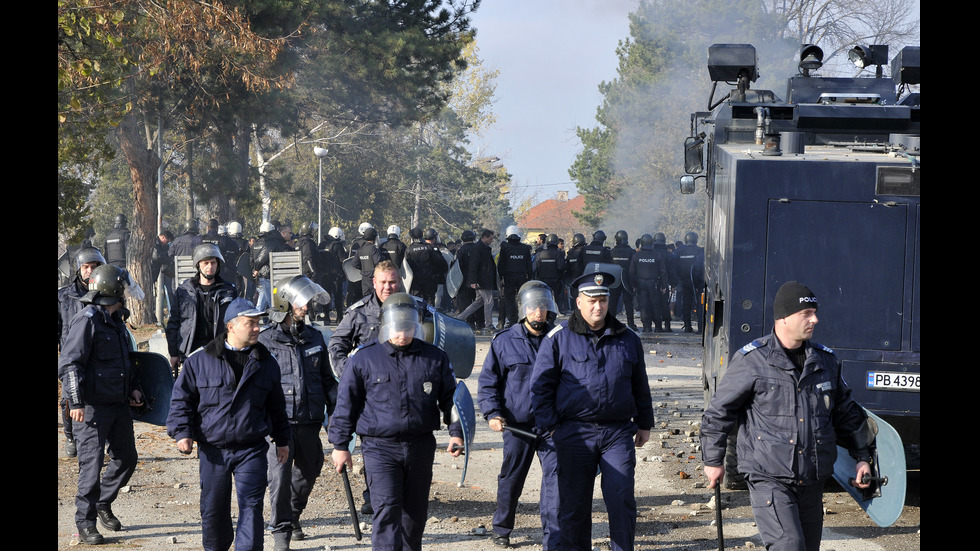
column 242, row 307
column 594, row 284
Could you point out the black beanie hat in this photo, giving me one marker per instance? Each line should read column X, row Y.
column 791, row 298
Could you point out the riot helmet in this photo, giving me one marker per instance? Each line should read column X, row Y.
column 431, row 234
column 690, row 238
column 659, row 238
column 336, row 233
column 88, row 254
column 622, row 237
column 599, row 236
column 363, row 227
column 553, row 239
column 295, row 291
column 234, row 229
column 578, row 240
column 394, row 230
column 646, row 241
column 205, row 251
column 222, row 230
column 306, row 228
column 266, row 227
column 468, row 236
column 120, row 221
column 415, row 233
column 110, row 284
column 535, row 295
column 370, row 234
column 512, row 232
column 399, row 318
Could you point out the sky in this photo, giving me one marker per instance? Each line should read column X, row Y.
column 552, row 55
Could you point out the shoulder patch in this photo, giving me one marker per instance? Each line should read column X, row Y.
column 195, row 351
column 88, row 312
column 556, row 329
column 819, row 346
column 358, row 304
column 752, row 346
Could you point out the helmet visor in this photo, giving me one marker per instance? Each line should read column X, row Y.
column 300, row 292
column 133, row 289
column 400, row 322
column 534, row 299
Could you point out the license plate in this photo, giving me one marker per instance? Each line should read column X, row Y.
column 889, row 380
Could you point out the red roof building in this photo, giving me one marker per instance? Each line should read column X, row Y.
column 554, row 216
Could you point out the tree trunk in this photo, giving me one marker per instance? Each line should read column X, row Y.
column 143, row 164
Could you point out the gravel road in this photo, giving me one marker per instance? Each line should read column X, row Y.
column 159, row 509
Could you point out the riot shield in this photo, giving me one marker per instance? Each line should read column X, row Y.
column 245, row 283
column 885, row 499
column 407, row 276
column 64, row 265
column 157, row 383
column 465, row 411
column 615, row 269
column 352, row 273
column 456, row 339
column 454, row 279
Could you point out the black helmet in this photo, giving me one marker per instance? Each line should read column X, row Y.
column 415, row 233
column 659, row 238
column 399, row 313
column 306, row 228
column 207, row 250
column 599, row 236
column 622, row 237
column 120, row 221
column 88, row 254
column 191, row 226
column 297, row 291
column 552, row 238
column 468, row 236
column 370, row 234
column 578, row 239
column 431, row 234
column 646, row 240
column 109, row 284
column 533, row 295
column 690, row 238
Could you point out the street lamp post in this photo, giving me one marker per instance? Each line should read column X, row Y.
column 320, row 152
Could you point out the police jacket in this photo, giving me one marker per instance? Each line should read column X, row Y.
column 69, row 304
column 790, row 423
column 360, row 325
column 580, row 377
column 94, row 365
column 115, row 246
column 269, row 242
column 621, row 255
column 684, row 259
column 208, row 405
column 304, row 371
column 183, row 245
column 514, row 262
column 427, row 264
column 189, row 300
column 575, row 263
column 648, row 268
column 396, row 249
column 308, row 259
column 464, row 255
column 504, row 388
column 595, row 252
column 160, row 261
column 549, row 265
column 369, row 256
column 391, row 393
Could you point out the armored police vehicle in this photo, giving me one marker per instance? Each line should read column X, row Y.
column 822, row 188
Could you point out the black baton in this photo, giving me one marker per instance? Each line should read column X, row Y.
column 521, row 432
column 721, row 536
column 350, row 504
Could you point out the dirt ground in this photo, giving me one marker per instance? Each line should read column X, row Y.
column 159, row 509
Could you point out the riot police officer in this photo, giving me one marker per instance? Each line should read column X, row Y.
column 549, row 265
column 117, row 241
column 427, row 264
column 597, row 251
column 368, row 256
column 504, row 395
column 100, row 386
column 648, row 273
column 514, row 266
column 308, row 384
column 392, row 394
column 199, row 304
column 226, row 245
column 335, row 251
column 574, row 266
column 270, row 241
column 395, row 246
column 686, row 259
column 185, row 243
column 660, row 246
column 621, row 255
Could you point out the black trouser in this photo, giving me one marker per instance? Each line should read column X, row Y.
column 291, row 483
column 112, row 425
column 508, row 297
column 627, row 296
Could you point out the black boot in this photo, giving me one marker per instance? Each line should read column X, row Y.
column 90, row 536
column 108, row 519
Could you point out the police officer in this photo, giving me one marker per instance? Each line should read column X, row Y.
column 395, row 246
column 100, row 386
column 574, row 266
column 70, row 303
column 368, row 256
column 466, row 294
column 228, row 248
column 792, row 409
column 335, row 251
column 514, row 266
column 392, row 394
column 663, row 297
column 621, row 255
column 308, row 384
column 590, row 393
column 427, row 264
column 549, row 265
column 229, row 398
column 185, row 243
column 597, row 251
column 270, row 241
column 243, row 283
column 504, row 395
column 686, row 258
column 443, row 300
column 199, row 304
column 117, row 241
column 481, row 276
column 648, row 274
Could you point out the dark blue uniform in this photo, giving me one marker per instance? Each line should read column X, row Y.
column 592, row 392
column 230, row 414
column 505, row 391
column 307, row 382
column 393, row 399
column 97, row 376
column 514, row 266
column 648, row 274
